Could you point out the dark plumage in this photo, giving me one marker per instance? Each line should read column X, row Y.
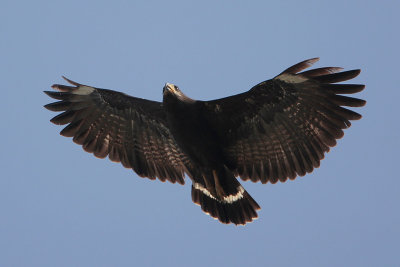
column 279, row 129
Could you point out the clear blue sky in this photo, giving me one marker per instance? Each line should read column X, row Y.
column 60, row 206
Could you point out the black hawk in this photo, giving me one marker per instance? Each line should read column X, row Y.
column 279, row 129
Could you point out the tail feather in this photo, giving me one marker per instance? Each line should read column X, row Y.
column 236, row 207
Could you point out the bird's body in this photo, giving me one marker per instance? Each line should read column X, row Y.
column 279, row 129
column 189, row 129
column 193, row 133
column 216, row 188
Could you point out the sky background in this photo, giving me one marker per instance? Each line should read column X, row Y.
column 60, row 206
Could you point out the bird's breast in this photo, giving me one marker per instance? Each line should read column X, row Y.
column 194, row 135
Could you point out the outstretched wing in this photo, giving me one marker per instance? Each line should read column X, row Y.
column 129, row 130
column 282, row 127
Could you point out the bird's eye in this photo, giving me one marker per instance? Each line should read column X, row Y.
column 176, row 87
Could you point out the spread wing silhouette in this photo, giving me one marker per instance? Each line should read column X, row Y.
column 127, row 129
column 282, row 127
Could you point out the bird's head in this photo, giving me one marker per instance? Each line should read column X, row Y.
column 171, row 91
column 170, row 88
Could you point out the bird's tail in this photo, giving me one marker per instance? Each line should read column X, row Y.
column 222, row 196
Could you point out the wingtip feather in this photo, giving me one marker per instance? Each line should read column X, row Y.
column 312, row 60
column 70, row 81
column 300, row 66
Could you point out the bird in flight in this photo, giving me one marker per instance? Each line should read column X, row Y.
column 279, row 129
